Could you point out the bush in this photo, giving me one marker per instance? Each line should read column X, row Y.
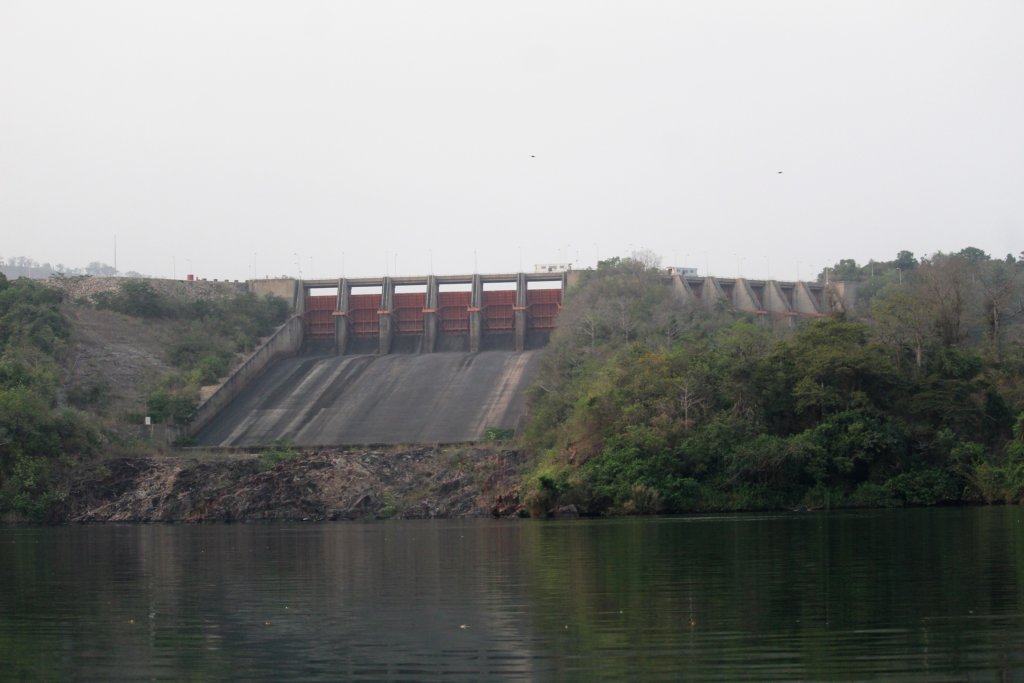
column 498, row 434
column 544, row 492
column 643, row 500
column 210, row 369
column 872, row 495
column 998, row 484
column 683, row 494
column 179, row 406
column 281, row 451
column 136, row 298
column 928, row 486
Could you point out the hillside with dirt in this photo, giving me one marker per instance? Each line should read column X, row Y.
column 131, row 339
column 114, row 360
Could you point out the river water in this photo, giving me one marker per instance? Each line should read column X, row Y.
column 880, row 595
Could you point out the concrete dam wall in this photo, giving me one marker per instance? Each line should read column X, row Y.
column 377, row 399
column 431, row 359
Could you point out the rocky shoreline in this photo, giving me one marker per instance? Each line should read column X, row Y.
column 316, row 485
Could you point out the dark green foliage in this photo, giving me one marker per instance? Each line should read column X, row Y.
column 135, row 297
column 36, row 433
column 681, row 410
column 29, row 317
column 498, row 434
column 929, row 486
column 163, row 405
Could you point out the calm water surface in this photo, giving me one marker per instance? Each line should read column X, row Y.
column 897, row 595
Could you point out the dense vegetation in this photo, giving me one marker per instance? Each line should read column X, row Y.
column 37, row 433
column 915, row 396
column 43, row 436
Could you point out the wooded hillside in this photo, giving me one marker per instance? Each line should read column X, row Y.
column 916, row 397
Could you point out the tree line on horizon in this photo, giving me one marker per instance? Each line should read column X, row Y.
column 22, row 266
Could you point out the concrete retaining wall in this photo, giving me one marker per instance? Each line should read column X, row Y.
column 286, row 341
column 283, row 288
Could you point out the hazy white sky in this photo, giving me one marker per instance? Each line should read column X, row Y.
column 381, row 136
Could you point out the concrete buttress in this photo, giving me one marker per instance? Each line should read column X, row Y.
column 476, row 322
column 743, row 298
column 430, row 315
column 342, row 325
column 386, row 321
column 519, row 310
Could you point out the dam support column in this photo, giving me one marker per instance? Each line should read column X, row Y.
column 476, row 320
column 712, row 294
column 387, row 323
column 342, row 324
column 682, row 288
column 430, row 316
column 804, row 300
column 743, row 298
column 519, row 313
column 774, row 301
column 299, row 301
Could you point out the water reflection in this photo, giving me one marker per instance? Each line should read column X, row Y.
column 892, row 594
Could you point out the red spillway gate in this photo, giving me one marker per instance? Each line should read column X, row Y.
column 498, row 310
column 453, row 312
column 319, row 315
column 453, row 308
column 542, row 306
column 408, row 312
column 362, row 314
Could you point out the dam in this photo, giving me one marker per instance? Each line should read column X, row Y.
column 432, row 359
column 437, row 359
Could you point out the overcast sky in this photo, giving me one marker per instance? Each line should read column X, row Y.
column 364, row 138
